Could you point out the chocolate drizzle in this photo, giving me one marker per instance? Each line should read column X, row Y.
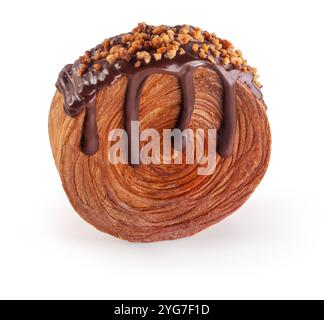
column 79, row 93
column 89, row 138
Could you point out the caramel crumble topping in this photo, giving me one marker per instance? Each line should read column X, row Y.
column 148, row 43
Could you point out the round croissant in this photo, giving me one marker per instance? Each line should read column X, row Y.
column 166, row 78
column 160, row 202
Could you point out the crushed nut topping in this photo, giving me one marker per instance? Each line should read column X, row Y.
column 97, row 66
column 182, row 52
column 148, row 43
column 144, row 55
column 157, row 56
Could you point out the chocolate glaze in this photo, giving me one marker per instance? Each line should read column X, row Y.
column 79, row 93
column 89, row 138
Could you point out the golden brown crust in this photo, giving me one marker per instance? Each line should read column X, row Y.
column 160, row 202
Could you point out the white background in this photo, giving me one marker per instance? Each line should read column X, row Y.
column 272, row 248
